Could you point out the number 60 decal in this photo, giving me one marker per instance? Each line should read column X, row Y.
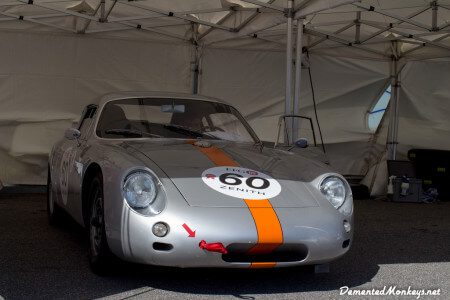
column 234, row 178
column 241, row 183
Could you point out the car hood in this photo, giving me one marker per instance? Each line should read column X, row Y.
column 184, row 163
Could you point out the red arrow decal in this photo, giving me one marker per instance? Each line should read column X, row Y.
column 189, row 230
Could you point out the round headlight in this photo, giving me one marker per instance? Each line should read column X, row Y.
column 140, row 189
column 334, row 189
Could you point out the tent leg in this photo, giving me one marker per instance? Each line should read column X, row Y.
column 195, row 69
column 195, row 60
column 288, row 99
column 298, row 78
column 358, row 28
column 434, row 16
column 102, row 11
column 394, row 111
column 194, row 77
column 397, row 104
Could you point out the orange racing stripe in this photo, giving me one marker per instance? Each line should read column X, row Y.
column 270, row 234
column 262, row 265
column 218, row 157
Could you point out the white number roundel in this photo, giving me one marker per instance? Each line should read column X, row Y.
column 241, row 183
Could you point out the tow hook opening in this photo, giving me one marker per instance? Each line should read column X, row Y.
column 213, row 247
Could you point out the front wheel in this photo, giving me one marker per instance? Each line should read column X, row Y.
column 100, row 257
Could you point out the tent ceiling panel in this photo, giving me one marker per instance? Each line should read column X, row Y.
column 226, row 23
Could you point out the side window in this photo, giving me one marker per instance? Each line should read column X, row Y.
column 86, row 118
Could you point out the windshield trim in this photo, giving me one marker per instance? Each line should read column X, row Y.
column 244, row 122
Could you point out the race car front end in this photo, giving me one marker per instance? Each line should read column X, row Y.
column 257, row 233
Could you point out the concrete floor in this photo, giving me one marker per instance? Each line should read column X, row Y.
column 395, row 244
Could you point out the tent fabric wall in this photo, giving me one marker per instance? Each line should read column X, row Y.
column 424, row 107
column 254, row 82
column 345, row 90
column 40, row 98
column 47, row 79
column 424, row 120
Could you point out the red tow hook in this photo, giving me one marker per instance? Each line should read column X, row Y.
column 213, row 247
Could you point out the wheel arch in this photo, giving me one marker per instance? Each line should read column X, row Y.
column 92, row 170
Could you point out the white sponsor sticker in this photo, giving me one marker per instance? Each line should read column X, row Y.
column 241, row 183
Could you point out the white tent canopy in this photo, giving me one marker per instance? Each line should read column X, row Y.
column 57, row 56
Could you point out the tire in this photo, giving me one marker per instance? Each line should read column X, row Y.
column 54, row 212
column 100, row 257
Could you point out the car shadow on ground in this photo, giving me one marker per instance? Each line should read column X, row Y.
column 40, row 261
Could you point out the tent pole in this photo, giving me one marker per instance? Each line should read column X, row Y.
column 195, row 61
column 396, row 88
column 194, row 77
column 298, row 77
column 288, row 99
column 358, row 28
column 102, row 11
column 434, row 16
column 391, row 112
column 394, row 112
column 194, row 71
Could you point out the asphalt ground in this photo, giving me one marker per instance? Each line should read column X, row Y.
column 395, row 244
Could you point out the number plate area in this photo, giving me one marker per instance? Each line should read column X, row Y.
column 241, row 183
column 229, row 186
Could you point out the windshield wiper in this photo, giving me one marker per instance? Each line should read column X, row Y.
column 130, row 132
column 188, row 131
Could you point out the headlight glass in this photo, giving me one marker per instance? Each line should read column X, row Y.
column 334, row 189
column 140, row 189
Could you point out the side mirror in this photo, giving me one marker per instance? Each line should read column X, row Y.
column 72, row 134
column 301, row 143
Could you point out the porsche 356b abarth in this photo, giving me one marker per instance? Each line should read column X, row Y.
column 181, row 180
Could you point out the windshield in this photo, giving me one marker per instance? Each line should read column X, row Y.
column 172, row 118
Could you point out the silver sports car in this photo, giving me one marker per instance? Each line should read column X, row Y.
column 182, row 180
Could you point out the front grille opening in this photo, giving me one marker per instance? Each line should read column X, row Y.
column 162, row 246
column 284, row 253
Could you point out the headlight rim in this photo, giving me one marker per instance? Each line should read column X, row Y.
column 156, row 182
column 345, row 184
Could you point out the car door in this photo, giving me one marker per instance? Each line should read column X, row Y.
column 72, row 164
